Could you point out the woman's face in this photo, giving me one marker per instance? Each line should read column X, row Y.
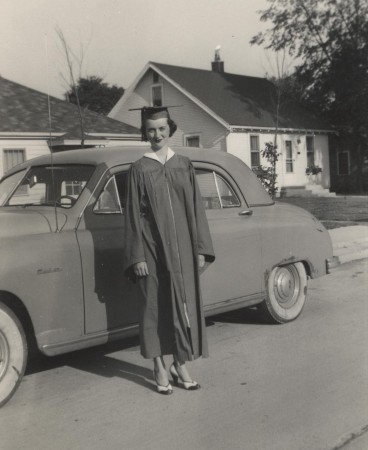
column 158, row 133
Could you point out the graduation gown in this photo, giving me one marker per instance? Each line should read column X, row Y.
column 166, row 226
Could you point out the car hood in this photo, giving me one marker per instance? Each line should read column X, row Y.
column 21, row 221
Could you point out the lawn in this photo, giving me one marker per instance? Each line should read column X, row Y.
column 334, row 212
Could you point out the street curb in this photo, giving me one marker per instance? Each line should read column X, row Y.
column 345, row 244
column 350, row 243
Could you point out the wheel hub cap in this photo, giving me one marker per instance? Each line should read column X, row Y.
column 286, row 286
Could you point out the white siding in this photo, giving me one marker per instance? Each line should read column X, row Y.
column 140, row 97
column 32, row 149
column 238, row 144
column 190, row 118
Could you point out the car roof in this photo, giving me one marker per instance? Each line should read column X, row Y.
column 118, row 155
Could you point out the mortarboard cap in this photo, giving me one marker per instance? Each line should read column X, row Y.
column 154, row 112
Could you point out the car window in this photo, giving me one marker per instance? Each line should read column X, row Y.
column 112, row 198
column 9, row 184
column 216, row 192
column 49, row 185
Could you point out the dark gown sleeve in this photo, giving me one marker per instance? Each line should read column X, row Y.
column 204, row 241
column 134, row 251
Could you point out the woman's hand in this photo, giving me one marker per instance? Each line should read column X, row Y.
column 140, row 269
column 201, row 261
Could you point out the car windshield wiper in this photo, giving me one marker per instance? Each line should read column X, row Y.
column 24, row 205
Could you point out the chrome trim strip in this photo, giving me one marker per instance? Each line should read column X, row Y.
column 90, row 340
column 234, row 303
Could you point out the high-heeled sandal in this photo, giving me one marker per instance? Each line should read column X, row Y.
column 188, row 385
column 165, row 390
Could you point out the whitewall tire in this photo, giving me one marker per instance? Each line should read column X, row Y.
column 286, row 293
column 13, row 353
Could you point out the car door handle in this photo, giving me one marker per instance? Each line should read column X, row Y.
column 246, row 212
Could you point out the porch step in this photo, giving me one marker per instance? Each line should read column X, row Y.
column 306, row 191
column 319, row 191
column 295, row 191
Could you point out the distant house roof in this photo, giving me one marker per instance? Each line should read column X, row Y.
column 240, row 100
column 25, row 110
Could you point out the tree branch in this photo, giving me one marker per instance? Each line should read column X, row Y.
column 312, row 27
column 69, row 56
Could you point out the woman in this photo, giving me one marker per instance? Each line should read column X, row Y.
column 167, row 242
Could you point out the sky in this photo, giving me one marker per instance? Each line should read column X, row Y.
column 119, row 37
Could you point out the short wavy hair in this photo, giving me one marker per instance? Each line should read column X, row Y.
column 172, row 125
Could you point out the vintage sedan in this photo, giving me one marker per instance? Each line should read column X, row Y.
column 62, row 242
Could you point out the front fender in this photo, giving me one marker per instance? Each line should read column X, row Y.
column 44, row 272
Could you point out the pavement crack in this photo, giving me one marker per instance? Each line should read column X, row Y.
column 350, row 437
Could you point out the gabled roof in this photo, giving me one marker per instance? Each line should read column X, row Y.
column 240, row 101
column 25, row 110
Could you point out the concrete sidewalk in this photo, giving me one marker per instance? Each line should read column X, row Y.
column 350, row 243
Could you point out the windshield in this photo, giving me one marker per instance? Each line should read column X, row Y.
column 45, row 186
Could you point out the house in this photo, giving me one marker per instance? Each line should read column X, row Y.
column 235, row 114
column 33, row 124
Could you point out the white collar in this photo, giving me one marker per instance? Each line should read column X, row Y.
column 151, row 154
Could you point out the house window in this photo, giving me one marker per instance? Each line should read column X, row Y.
column 343, row 163
column 310, row 151
column 73, row 188
column 13, row 157
column 155, row 77
column 254, row 151
column 289, row 157
column 192, row 141
column 157, row 95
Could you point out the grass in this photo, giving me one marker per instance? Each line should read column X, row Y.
column 334, row 212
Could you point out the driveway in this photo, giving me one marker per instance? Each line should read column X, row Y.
column 299, row 386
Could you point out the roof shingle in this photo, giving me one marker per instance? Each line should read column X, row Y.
column 23, row 109
column 242, row 100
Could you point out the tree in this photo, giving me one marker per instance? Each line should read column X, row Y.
column 279, row 78
column 91, row 92
column 73, row 59
column 329, row 39
column 267, row 174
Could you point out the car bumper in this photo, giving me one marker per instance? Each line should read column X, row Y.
column 332, row 263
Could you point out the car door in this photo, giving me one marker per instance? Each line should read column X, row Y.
column 110, row 300
column 236, row 273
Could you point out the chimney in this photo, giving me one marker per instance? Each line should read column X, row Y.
column 217, row 64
